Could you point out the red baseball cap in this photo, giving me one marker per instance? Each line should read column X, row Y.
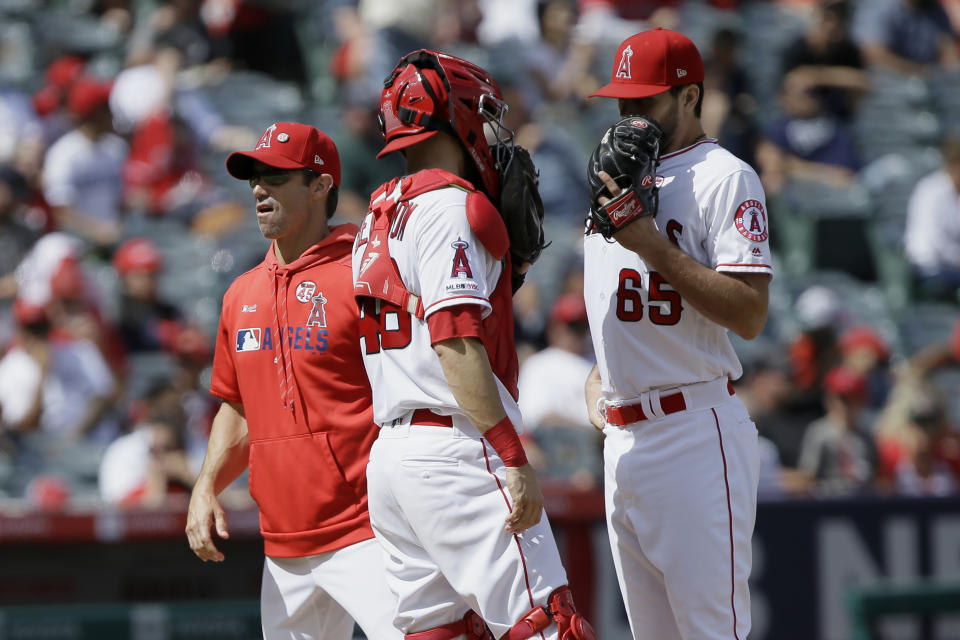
column 567, row 309
column 289, row 145
column 863, row 337
column 846, row 383
column 87, row 95
column 138, row 254
column 651, row 62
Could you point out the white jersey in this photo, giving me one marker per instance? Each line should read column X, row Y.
column 645, row 336
column 440, row 260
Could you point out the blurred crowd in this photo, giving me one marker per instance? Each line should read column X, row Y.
column 120, row 230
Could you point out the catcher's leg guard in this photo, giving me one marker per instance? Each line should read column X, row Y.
column 560, row 609
column 472, row 626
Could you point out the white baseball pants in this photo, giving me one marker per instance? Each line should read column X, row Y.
column 681, row 498
column 319, row 597
column 438, row 501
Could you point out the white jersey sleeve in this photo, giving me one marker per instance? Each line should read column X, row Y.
column 452, row 266
column 737, row 225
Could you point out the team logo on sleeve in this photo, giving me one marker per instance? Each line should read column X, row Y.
column 461, row 265
column 751, row 220
column 306, row 291
column 248, row 339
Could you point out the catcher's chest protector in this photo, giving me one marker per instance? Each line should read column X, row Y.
column 378, row 276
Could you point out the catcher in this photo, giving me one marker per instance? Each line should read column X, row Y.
column 453, row 502
column 675, row 255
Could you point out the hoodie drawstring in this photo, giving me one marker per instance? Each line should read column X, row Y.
column 289, row 397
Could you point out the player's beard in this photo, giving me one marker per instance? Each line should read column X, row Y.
column 669, row 123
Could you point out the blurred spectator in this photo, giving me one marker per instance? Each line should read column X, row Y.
column 905, row 35
column 21, row 134
column 17, row 230
column 729, row 109
column 827, row 59
column 864, row 351
column 837, row 452
column 82, row 171
column 35, row 273
column 807, row 145
column 932, row 236
column 813, row 352
column 179, row 25
column 75, row 313
column 610, row 21
column 146, row 322
column 263, row 37
column 359, row 143
column 552, row 381
column 918, row 446
column 558, row 65
column 61, row 387
column 193, row 357
column 557, row 156
column 50, row 101
column 507, row 20
column 766, row 390
column 147, row 466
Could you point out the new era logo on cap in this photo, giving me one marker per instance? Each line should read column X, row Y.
column 289, row 145
column 651, row 62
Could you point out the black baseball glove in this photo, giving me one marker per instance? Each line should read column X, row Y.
column 522, row 209
column 629, row 152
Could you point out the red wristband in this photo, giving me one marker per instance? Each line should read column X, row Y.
column 504, row 440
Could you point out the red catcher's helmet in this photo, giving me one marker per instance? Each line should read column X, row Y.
column 429, row 91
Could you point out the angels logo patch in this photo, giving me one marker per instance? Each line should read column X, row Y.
column 306, row 291
column 461, row 275
column 751, row 220
column 461, row 266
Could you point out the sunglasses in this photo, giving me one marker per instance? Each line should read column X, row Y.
column 276, row 177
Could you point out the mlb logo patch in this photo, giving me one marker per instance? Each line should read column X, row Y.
column 248, row 339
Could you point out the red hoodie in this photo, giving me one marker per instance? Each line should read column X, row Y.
column 288, row 350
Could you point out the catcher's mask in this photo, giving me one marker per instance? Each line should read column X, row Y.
column 429, row 91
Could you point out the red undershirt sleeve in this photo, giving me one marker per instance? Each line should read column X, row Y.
column 461, row 321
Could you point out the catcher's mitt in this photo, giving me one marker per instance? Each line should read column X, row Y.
column 522, row 209
column 629, row 152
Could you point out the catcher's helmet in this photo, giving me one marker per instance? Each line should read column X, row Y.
column 429, row 91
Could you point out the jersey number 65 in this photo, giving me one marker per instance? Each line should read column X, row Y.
column 665, row 305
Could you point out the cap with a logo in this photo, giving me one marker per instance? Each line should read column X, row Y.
column 289, row 145
column 651, row 62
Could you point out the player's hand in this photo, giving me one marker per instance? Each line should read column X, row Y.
column 205, row 513
column 593, row 389
column 527, row 499
column 611, row 185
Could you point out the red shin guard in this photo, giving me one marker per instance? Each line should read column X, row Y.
column 560, row 609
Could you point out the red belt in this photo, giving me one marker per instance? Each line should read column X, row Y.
column 427, row 417
column 630, row 413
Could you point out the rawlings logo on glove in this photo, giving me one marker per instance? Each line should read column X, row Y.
column 629, row 153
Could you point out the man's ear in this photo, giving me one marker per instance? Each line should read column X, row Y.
column 321, row 187
column 691, row 96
